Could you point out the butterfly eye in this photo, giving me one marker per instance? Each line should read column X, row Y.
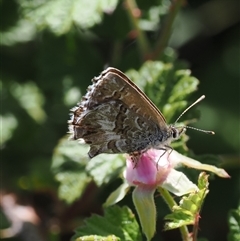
column 175, row 133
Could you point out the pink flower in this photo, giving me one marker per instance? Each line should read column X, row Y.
column 149, row 170
column 156, row 168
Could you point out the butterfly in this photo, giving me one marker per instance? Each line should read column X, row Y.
column 115, row 116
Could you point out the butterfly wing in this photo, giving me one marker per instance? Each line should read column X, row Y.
column 115, row 116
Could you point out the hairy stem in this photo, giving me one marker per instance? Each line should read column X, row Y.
column 170, row 202
column 134, row 13
column 167, row 29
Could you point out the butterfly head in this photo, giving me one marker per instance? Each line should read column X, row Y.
column 176, row 132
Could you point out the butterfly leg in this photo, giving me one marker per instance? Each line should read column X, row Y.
column 135, row 157
column 168, row 148
column 165, row 150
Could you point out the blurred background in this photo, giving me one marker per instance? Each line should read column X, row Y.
column 50, row 50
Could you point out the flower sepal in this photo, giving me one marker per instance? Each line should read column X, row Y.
column 144, row 203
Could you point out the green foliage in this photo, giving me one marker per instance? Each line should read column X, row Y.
column 98, row 238
column 23, row 31
column 75, row 171
column 234, row 224
column 70, row 172
column 60, row 16
column 118, row 222
column 105, row 167
column 31, row 99
column 188, row 211
column 166, row 85
column 4, row 224
column 10, row 124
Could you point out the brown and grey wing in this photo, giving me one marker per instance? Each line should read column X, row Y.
column 112, row 84
column 112, row 128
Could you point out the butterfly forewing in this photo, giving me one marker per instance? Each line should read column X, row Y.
column 135, row 96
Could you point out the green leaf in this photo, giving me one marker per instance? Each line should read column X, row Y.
column 98, row 238
column 69, row 161
column 68, row 153
column 150, row 19
column 60, row 15
column 10, row 123
column 189, row 206
column 234, row 224
column 168, row 86
column 74, row 170
column 116, row 221
column 105, row 167
column 72, row 185
column 23, row 31
column 5, row 223
column 31, row 100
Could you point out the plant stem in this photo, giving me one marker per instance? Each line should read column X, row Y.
column 197, row 215
column 133, row 12
column 170, row 202
column 167, row 29
column 195, row 228
column 167, row 197
column 116, row 53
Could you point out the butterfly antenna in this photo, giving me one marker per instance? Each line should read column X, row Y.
column 190, row 127
column 196, row 129
column 189, row 107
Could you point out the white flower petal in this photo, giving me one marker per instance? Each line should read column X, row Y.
column 178, row 183
column 177, row 159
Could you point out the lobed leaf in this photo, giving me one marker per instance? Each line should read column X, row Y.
column 167, row 85
column 117, row 221
column 187, row 212
column 74, row 170
column 234, row 224
column 69, row 161
column 60, row 16
column 72, row 185
column 105, row 167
